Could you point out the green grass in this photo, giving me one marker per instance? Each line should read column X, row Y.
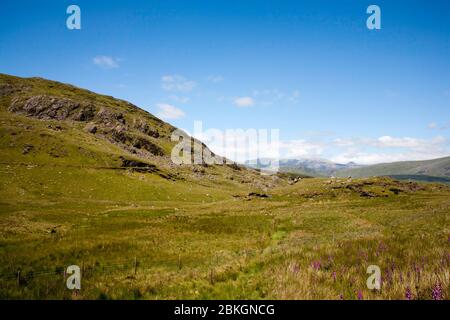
column 227, row 248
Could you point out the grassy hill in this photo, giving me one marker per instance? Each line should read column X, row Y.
column 414, row 169
column 110, row 200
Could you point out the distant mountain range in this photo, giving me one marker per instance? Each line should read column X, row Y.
column 304, row 166
column 436, row 170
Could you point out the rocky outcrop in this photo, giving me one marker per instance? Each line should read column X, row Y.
column 141, row 143
column 7, row 89
column 91, row 128
column 145, row 128
column 138, row 166
column 109, row 117
column 50, row 107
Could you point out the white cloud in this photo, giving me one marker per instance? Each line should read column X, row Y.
column 177, row 83
column 179, row 99
column 432, row 125
column 343, row 142
column 389, row 149
column 106, row 62
column 167, row 111
column 407, row 142
column 301, row 149
column 388, row 141
column 215, row 78
column 244, row 101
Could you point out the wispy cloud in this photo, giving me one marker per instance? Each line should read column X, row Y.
column 270, row 97
column 244, row 101
column 106, row 62
column 267, row 97
column 168, row 111
column 215, row 78
column 179, row 99
column 442, row 126
column 177, row 83
column 432, row 125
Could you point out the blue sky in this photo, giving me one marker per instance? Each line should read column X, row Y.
column 311, row 69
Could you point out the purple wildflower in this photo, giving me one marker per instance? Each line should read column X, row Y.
column 408, row 293
column 316, row 265
column 334, row 275
column 360, row 295
column 436, row 293
column 389, row 276
column 341, row 296
column 392, row 266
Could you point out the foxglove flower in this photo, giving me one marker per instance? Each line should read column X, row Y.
column 408, row 293
column 436, row 293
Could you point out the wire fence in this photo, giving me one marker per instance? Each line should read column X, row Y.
column 134, row 265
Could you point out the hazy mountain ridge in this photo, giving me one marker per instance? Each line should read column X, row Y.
column 304, row 166
column 435, row 170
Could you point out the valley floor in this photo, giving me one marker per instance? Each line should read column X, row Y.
column 311, row 240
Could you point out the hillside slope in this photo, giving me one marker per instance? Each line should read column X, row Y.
column 428, row 168
column 87, row 136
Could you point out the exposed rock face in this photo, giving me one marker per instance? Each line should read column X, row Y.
column 119, row 134
column 109, row 117
column 141, row 143
column 7, row 89
column 144, row 127
column 111, row 123
column 91, row 128
column 49, row 107
column 108, row 120
column 138, row 165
